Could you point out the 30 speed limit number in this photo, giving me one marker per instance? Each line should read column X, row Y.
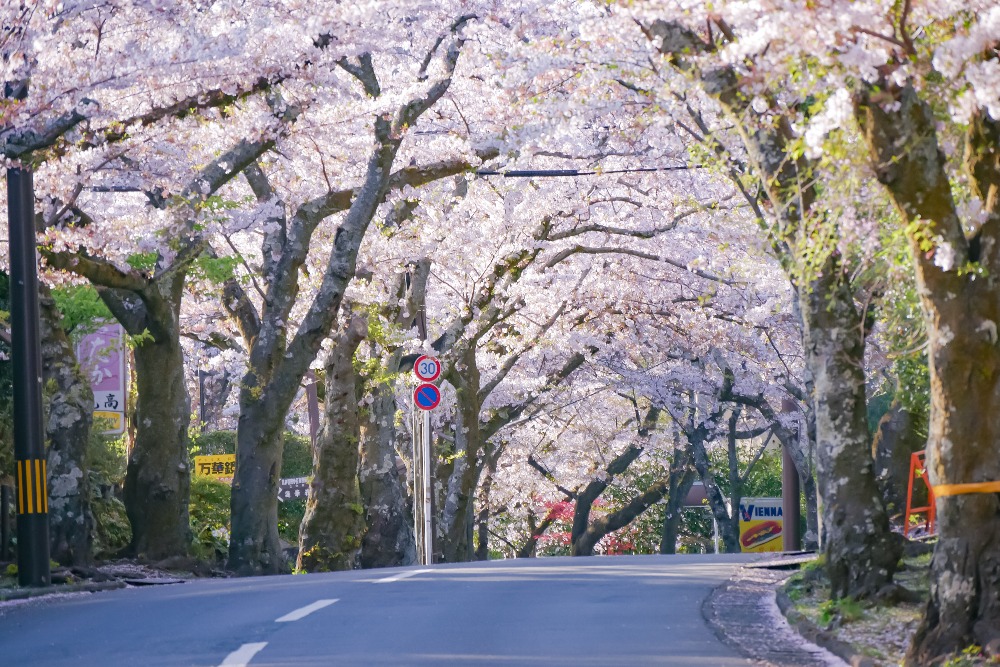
column 427, row 368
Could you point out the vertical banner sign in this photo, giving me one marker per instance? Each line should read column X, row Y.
column 761, row 523
column 102, row 359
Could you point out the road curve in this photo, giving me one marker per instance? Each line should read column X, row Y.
column 629, row 610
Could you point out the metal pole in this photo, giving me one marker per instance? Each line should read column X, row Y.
column 29, row 434
column 428, row 513
column 418, row 486
column 790, row 492
column 201, row 401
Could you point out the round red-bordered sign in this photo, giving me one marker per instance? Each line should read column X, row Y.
column 427, row 368
column 426, row 396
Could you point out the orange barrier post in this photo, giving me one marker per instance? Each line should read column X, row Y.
column 918, row 469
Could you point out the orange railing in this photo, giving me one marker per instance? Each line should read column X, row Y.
column 918, row 469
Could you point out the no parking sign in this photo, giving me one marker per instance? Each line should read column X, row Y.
column 426, row 396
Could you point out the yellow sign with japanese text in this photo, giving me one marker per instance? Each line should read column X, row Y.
column 113, row 421
column 220, row 466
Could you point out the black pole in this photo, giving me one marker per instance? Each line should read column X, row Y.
column 29, row 436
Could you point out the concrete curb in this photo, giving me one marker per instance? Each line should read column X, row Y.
column 818, row 636
column 743, row 614
column 83, row 587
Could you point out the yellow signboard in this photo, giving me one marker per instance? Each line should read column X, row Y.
column 113, row 420
column 220, row 466
column 761, row 525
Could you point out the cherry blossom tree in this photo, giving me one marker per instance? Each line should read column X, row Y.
column 861, row 559
column 912, row 75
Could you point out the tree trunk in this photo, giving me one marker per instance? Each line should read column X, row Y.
column 792, row 443
column 585, row 498
column 276, row 369
column 255, row 547
column 895, row 441
column 961, row 310
column 582, row 545
column 483, row 518
column 330, row 534
column 456, row 519
column 158, row 477
column 70, row 416
column 731, row 529
column 492, row 456
column 535, row 531
column 609, row 523
column 680, row 483
column 861, row 552
column 389, row 539
column 725, row 517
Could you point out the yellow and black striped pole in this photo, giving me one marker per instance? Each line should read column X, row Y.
column 26, row 358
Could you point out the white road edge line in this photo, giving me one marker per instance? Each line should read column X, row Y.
column 401, row 575
column 304, row 611
column 241, row 656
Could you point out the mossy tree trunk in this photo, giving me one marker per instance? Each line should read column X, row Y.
column 389, row 538
column 680, row 483
column 158, row 477
column 961, row 305
column 896, row 439
column 330, row 533
column 861, row 552
column 457, row 513
column 69, row 419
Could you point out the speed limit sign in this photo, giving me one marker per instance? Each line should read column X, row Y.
column 427, row 368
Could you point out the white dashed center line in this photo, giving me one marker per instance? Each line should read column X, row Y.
column 241, row 656
column 401, row 575
column 304, row 611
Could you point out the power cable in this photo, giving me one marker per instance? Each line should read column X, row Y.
column 554, row 173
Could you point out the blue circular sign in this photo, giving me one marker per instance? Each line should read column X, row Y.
column 426, row 396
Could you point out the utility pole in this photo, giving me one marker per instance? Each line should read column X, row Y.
column 29, row 434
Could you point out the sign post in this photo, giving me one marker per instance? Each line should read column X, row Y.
column 426, row 397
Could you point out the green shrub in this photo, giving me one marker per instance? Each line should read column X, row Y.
column 209, row 517
column 297, row 459
column 212, row 443
column 296, row 462
column 106, row 460
column 210, row 508
column 112, row 531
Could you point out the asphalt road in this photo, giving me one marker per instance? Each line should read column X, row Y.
column 641, row 610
